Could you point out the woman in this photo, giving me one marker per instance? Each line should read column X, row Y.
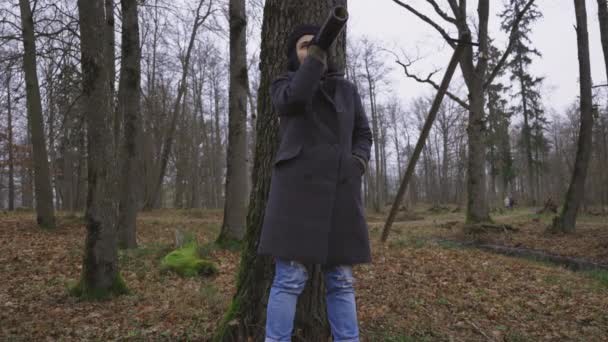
column 314, row 213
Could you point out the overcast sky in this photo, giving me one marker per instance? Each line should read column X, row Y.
column 553, row 35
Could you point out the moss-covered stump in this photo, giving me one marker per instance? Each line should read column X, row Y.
column 186, row 262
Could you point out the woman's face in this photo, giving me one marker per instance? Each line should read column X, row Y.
column 302, row 46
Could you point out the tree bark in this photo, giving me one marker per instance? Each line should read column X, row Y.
column 235, row 210
column 100, row 275
column 246, row 316
column 44, row 197
column 566, row 221
column 129, row 112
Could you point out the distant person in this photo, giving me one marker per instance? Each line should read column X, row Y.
column 509, row 202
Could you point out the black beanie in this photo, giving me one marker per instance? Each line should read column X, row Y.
column 297, row 33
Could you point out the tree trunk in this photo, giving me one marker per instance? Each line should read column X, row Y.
column 235, row 210
column 526, row 137
column 445, row 186
column 11, row 158
column 566, row 221
column 111, row 55
column 603, row 20
column 27, row 176
column 475, row 76
column 477, row 206
column 246, row 316
column 378, row 174
column 128, row 110
column 100, row 275
column 217, row 146
column 42, row 180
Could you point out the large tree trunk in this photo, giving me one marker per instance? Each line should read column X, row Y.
column 128, row 109
column 235, row 210
column 247, row 313
column 42, row 180
column 477, row 206
column 100, row 276
column 566, row 221
column 475, row 76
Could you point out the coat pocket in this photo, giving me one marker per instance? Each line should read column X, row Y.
column 287, row 153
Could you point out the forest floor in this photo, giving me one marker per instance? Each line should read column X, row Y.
column 420, row 286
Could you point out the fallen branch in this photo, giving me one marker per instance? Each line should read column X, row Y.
column 488, row 228
column 571, row 263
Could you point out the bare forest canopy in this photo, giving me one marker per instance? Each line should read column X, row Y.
column 533, row 160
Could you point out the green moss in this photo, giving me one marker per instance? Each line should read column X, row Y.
column 80, row 290
column 601, row 276
column 231, row 313
column 186, row 262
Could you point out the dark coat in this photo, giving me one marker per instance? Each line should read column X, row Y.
column 314, row 212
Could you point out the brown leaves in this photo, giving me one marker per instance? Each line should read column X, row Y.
column 414, row 288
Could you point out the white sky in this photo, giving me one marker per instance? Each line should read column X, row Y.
column 554, row 36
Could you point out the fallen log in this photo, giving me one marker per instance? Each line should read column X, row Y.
column 482, row 228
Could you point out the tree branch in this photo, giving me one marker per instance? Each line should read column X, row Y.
column 510, row 45
column 428, row 80
column 428, row 20
column 441, row 13
column 454, row 6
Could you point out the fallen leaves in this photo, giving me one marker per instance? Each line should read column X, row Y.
column 420, row 290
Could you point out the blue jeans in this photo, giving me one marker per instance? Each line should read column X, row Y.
column 289, row 280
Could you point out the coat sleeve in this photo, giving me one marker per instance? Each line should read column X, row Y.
column 362, row 134
column 290, row 95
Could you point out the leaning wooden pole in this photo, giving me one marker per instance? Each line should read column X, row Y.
column 443, row 88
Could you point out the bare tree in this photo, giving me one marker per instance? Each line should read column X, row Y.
column 11, row 155
column 100, row 274
column 371, row 74
column 566, row 221
column 199, row 20
column 474, row 67
column 235, row 210
column 42, row 179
